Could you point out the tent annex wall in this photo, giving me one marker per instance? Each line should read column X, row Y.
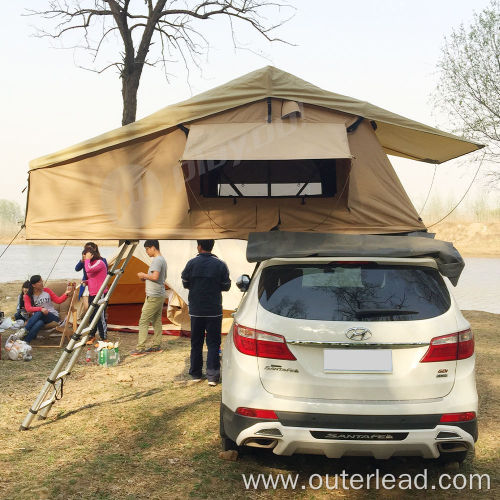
column 128, row 297
column 144, row 180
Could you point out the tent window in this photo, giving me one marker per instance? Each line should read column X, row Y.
column 268, row 178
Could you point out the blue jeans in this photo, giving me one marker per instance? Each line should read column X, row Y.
column 36, row 322
column 200, row 325
column 101, row 323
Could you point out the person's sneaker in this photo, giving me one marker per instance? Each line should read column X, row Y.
column 138, row 352
column 194, row 380
column 154, row 349
column 20, row 334
column 212, row 383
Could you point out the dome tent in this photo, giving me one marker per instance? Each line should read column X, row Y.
column 267, row 150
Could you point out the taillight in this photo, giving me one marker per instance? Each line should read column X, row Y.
column 256, row 413
column 261, row 344
column 458, row 417
column 450, row 347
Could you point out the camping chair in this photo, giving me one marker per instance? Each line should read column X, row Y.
column 53, row 329
column 72, row 314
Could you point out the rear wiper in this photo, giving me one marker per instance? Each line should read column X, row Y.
column 366, row 313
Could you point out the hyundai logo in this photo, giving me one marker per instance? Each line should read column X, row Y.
column 358, row 333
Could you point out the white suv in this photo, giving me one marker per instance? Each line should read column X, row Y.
column 349, row 356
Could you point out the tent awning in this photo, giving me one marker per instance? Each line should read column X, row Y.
column 267, row 141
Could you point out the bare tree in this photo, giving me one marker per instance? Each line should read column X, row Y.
column 177, row 25
column 469, row 81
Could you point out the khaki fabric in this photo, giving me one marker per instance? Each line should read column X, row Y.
column 143, row 190
column 150, row 314
column 397, row 134
column 132, row 183
column 266, row 141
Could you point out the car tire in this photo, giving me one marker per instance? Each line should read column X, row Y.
column 456, row 456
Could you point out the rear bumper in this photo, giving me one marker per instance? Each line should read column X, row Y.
column 380, row 436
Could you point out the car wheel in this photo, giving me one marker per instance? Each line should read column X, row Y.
column 227, row 443
column 456, row 456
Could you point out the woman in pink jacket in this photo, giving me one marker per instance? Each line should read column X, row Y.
column 96, row 271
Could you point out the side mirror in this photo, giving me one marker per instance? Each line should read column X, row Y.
column 243, row 282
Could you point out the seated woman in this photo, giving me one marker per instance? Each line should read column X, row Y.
column 21, row 312
column 38, row 301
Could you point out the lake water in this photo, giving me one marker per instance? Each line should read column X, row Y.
column 20, row 262
column 478, row 288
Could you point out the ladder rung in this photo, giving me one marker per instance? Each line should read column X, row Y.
column 78, row 344
column 102, row 301
column 118, row 271
column 86, row 330
column 62, row 374
column 47, row 402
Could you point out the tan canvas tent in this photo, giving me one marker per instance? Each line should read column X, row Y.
column 267, row 150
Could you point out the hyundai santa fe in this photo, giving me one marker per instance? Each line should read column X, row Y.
column 349, row 356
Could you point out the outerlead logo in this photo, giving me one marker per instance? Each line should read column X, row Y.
column 358, row 333
column 131, row 196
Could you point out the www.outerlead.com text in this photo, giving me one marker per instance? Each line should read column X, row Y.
column 375, row 481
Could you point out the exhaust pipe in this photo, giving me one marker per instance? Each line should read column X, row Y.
column 452, row 446
column 255, row 442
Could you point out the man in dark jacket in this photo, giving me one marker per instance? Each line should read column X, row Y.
column 205, row 276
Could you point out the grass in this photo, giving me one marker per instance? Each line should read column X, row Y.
column 139, row 431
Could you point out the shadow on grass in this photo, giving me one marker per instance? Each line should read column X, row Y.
column 140, row 463
column 121, row 399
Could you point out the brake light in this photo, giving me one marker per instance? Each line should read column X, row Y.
column 450, row 347
column 261, row 344
column 458, row 417
column 256, row 413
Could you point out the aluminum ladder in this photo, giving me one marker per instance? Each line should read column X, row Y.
column 53, row 387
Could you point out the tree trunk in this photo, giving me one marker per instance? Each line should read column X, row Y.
column 130, row 86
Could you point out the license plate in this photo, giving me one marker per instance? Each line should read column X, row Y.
column 358, row 360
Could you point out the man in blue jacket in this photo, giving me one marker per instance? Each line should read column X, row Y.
column 205, row 276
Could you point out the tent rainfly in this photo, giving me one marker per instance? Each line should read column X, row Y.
column 267, row 150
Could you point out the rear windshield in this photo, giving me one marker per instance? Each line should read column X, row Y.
column 353, row 292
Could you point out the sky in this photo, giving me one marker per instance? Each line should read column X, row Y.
column 383, row 51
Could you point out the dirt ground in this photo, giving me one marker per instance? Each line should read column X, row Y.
column 140, row 430
column 471, row 239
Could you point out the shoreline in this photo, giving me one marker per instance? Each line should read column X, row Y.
column 53, row 243
column 465, row 253
column 472, row 239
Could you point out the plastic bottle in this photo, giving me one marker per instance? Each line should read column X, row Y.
column 88, row 356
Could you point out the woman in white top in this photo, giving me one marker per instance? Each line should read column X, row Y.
column 39, row 302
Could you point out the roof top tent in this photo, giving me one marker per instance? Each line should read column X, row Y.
column 267, row 150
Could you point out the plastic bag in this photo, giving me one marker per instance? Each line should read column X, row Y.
column 108, row 353
column 6, row 324
column 18, row 350
column 18, row 323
